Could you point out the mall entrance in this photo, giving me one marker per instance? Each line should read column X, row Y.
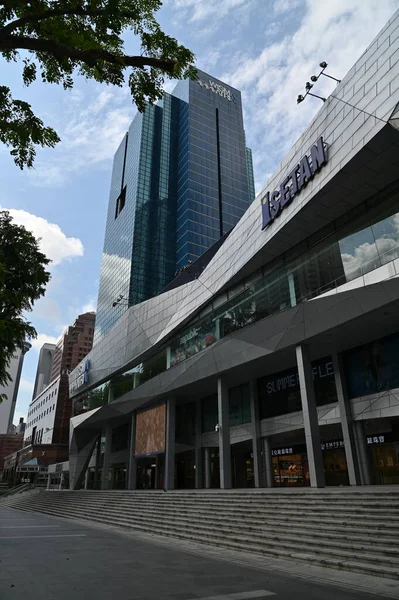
column 242, row 465
column 150, row 472
column 119, row 476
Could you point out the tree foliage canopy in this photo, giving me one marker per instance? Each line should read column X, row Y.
column 23, row 278
column 63, row 38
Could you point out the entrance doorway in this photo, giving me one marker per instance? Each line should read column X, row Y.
column 150, row 472
column 185, row 470
column 242, row 464
column 335, row 468
column 119, row 478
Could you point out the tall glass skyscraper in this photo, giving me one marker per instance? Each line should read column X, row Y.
column 182, row 177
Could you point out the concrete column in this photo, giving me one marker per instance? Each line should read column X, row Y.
column 310, row 420
column 362, row 452
column 170, row 444
column 87, row 477
column 107, row 456
column 267, row 455
column 224, row 434
column 199, row 476
column 346, row 422
column 48, row 481
column 255, row 426
column 61, row 481
column 208, row 478
column 132, row 466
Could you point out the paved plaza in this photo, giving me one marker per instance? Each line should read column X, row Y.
column 48, row 558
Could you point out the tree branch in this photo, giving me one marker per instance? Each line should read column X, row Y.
column 90, row 57
column 58, row 12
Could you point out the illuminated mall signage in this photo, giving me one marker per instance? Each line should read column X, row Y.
column 273, row 203
column 82, row 376
column 216, row 88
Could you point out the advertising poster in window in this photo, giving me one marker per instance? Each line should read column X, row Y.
column 150, row 431
column 279, row 393
column 193, row 340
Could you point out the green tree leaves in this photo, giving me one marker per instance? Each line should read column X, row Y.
column 65, row 38
column 23, row 278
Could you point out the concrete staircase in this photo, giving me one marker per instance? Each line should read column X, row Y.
column 343, row 529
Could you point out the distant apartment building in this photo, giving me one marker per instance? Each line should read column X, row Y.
column 50, row 411
column 44, row 366
column 46, row 436
column 7, row 407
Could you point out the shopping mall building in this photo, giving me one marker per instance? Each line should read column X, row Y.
column 279, row 364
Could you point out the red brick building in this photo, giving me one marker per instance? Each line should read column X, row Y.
column 74, row 344
column 9, row 443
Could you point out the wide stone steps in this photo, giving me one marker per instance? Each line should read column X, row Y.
column 263, row 525
column 352, row 531
column 260, row 519
column 371, row 564
column 264, row 537
column 256, row 517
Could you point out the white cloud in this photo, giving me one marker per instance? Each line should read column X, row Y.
column 91, row 128
column 271, row 79
column 207, row 9
column 283, row 6
column 26, row 385
column 53, row 241
column 43, row 338
column 90, row 306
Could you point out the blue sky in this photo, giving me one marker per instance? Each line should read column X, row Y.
column 266, row 48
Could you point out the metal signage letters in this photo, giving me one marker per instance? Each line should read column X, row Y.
column 273, row 203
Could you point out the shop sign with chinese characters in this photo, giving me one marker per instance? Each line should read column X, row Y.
column 376, row 439
column 281, row 451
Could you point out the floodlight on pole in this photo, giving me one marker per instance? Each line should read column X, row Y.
column 120, row 301
column 314, row 78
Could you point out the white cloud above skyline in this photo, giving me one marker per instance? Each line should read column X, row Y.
column 43, row 338
column 52, row 240
column 91, row 128
column 207, row 9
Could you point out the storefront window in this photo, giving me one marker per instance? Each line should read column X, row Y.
column 373, row 367
column 279, row 393
column 149, row 369
column 121, row 384
column 291, row 470
column 200, row 336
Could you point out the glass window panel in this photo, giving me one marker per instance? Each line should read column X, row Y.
column 359, row 253
column 386, row 234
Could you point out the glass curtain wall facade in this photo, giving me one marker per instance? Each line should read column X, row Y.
column 182, row 177
column 215, row 181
